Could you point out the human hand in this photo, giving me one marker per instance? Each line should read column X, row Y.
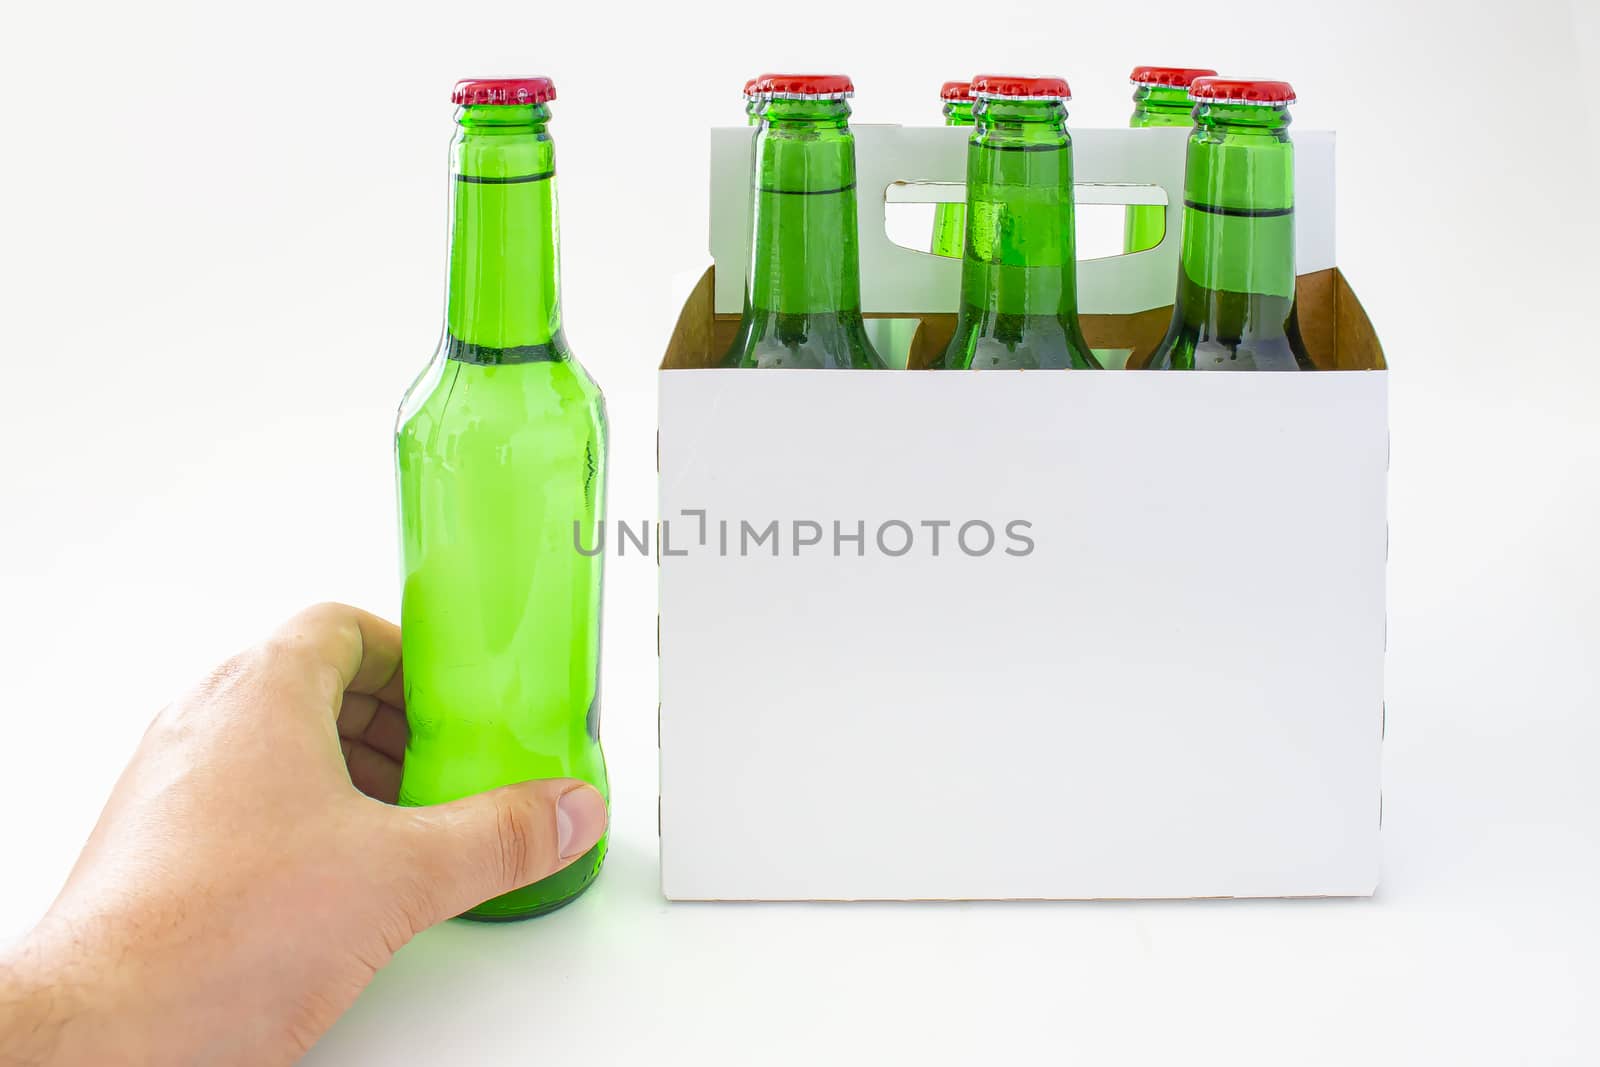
column 250, row 873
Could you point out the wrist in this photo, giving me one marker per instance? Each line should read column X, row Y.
column 49, row 1011
column 34, row 1010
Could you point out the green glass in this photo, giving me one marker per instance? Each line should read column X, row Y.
column 753, row 104
column 802, row 304
column 1236, row 272
column 1019, row 276
column 500, row 447
column 950, row 220
column 1153, row 106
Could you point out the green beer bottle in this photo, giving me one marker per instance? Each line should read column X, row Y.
column 802, row 304
column 752, row 102
column 1160, row 98
column 500, row 446
column 1236, row 271
column 1019, row 276
column 949, row 220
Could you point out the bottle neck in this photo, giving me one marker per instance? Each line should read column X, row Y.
column 1021, row 256
column 1161, row 105
column 1238, row 221
column 504, row 301
column 958, row 113
column 804, row 258
column 753, row 106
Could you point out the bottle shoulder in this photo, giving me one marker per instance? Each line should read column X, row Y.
column 1189, row 351
column 809, row 342
column 1226, row 330
column 501, row 399
column 421, row 388
column 1017, row 342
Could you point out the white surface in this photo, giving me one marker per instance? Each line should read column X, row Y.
column 1175, row 693
column 201, row 378
column 1110, row 166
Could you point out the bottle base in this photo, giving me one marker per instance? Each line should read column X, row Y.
column 477, row 916
column 544, row 896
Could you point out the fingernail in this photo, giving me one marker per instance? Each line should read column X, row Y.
column 580, row 820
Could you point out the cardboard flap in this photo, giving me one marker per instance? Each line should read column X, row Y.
column 691, row 344
column 1355, row 341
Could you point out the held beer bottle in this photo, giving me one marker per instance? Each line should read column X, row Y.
column 1160, row 98
column 1236, row 272
column 501, row 450
column 949, row 220
column 802, row 304
column 1019, row 276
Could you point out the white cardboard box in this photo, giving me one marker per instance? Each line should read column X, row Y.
column 1176, row 692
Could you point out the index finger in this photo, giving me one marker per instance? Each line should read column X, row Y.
column 361, row 648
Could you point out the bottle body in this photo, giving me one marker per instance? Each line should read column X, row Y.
column 500, row 612
column 500, row 451
column 1236, row 275
column 1019, row 303
column 802, row 307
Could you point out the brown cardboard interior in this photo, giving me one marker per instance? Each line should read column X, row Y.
column 1337, row 332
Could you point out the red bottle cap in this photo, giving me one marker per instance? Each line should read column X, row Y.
column 1172, row 77
column 807, row 86
column 958, row 91
column 1242, row 91
column 1012, row 87
column 503, row 91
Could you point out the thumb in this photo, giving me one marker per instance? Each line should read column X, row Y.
column 481, row 846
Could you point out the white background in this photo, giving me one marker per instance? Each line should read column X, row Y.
column 222, row 262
